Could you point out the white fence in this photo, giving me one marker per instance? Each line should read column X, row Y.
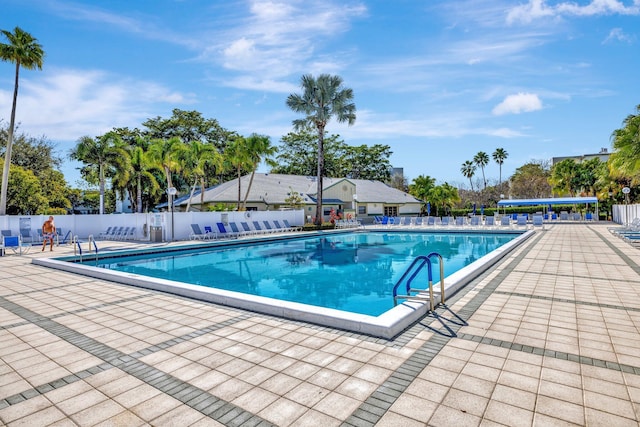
column 624, row 214
column 85, row 225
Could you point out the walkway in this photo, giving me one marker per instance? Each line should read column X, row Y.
column 551, row 336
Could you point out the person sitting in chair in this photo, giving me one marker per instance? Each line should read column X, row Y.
column 48, row 233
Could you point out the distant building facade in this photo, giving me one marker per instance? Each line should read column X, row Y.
column 364, row 198
column 603, row 155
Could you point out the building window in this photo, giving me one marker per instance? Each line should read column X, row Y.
column 390, row 211
column 362, row 210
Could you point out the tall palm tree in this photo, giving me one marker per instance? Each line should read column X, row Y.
column 141, row 170
column 198, row 156
column 23, row 50
column 468, row 169
column 625, row 159
column 482, row 159
column 100, row 153
column 322, row 99
column 259, row 148
column 166, row 153
column 237, row 158
column 499, row 157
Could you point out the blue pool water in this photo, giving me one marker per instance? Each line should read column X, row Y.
column 354, row 272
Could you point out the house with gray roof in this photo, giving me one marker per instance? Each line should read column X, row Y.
column 360, row 197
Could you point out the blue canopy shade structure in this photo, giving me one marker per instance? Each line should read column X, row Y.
column 548, row 201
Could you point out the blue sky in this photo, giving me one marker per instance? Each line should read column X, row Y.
column 437, row 81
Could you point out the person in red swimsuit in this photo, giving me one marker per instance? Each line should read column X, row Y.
column 48, row 233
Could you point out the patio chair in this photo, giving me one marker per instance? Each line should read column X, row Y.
column 247, row 229
column 538, row 221
column 223, row 232
column 280, row 227
column 104, row 233
column 505, row 221
column 292, row 227
column 15, row 244
column 489, row 221
column 269, row 227
column 475, row 221
column 236, row 230
column 196, row 233
column 259, row 229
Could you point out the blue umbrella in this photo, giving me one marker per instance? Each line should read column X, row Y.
column 474, row 208
column 482, row 210
column 428, row 208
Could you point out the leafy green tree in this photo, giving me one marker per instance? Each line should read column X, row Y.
column 167, row 155
column 421, row 187
column 367, row 162
column 35, row 154
column 322, row 99
column 101, row 155
column 298, row 154
column 499, row 156
column 482, row 159
column 54, row 188
column 531, row 181
column 237, row 158
column 468, row 169
column 444, row 197
column 25, row 51
column 563, row 176
column 189, row 126
column 199, row 156
column 259, row 149
column 24, row 196
column 142, row 167
column 625, row 160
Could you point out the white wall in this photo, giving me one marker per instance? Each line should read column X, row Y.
column 85, row 225
column 624, row 214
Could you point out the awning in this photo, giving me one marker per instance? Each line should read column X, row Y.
column 548, row 201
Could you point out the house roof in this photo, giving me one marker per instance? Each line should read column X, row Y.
column 548, row 201
column 275, row 188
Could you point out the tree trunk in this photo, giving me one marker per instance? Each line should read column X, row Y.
column 139, row 194
column 246, row 194
column 7, row 155
column 319, row 175
column 193, row 190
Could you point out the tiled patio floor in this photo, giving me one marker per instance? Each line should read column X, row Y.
column 550, row 336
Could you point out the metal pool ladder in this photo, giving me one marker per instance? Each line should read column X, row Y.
column 76, row 243
column 410, row 274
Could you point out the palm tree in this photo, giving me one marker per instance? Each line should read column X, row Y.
column 499, row 157
column 259, row 148
column 237, row 158
column 482, row 159
column 199, row 155
column 166, row 153
column 468, row 169
column 626, row 144
column 141, row 169
column 24, row 50
column 322, row 99
column 102, row 153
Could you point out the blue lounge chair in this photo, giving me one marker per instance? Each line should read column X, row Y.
column 292, row 227
column 247, row 229
column 268, row 227
column 223, row 232
column 258, row 228
column 197, row 234
column 537, row 221
column 475, row 221
column 15, row 244
column 490, row 221
column 505, row 221
column 235, row 229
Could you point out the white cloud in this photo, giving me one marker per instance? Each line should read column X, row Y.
column 616, row 34
column 537, row 9
column 519, row 103
column 65, row 104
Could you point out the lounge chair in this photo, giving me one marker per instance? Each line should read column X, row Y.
column 104, row 233
column 292, row 227
column 521, row 221
column 537, row 221
column 122, row 233
column 15, row 244
column 490, row 221
column 475, row 221
column 223, row 232
column 197, row 234
column 282, row 228
column 460, row 221
column 259, row 229
column 235, row 229
column 269, row 227
column 505, row 221
column 115, row 232
column 247, row 229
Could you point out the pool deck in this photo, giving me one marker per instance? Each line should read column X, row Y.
column 548, row 336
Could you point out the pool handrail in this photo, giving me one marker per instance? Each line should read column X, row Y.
column 422, row 260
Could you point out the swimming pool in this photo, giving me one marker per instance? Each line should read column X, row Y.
column 343, row 279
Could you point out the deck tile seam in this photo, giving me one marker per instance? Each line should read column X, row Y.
column 152, row 376
column 568, row 301
column 615, row 366
column 370, row 412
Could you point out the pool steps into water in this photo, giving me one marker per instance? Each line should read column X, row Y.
column 416, row 267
